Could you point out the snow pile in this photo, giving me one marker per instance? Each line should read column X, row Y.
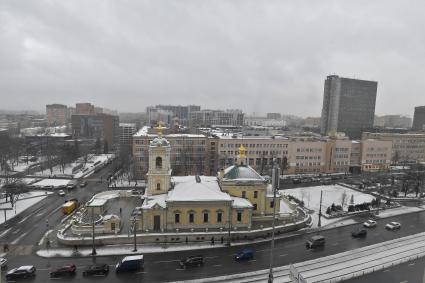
column 52, row 183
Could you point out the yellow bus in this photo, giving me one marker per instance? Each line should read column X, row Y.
column 69, row 207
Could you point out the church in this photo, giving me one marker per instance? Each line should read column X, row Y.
column 237, row 198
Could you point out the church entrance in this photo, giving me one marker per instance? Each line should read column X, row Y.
column 157, row 223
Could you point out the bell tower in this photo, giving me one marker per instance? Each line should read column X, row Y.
column 159, row 173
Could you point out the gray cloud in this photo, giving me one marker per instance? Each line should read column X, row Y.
column 260, row 56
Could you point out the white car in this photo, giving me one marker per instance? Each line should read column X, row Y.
column 61, row 193
column 370, row 223
column 3, row 263
column 393, row 226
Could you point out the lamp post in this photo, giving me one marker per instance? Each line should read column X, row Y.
column 93, row 252
column 275, row 187
column 319, row 224
column 134, row 231
column 230, row 224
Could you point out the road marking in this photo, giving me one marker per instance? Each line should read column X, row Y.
column 14, row 242
column 405, row 281
column 5, row 232
column 39, row 214
column 252, row 260
column 180, row 269
column 217, row 265
column 284, row 255
column 25, row 218
column 167, row 261
column 141, row 272
column 386, row 270
column 411, row 264
column 16, row 231
column 211, row 257
column 335, row 244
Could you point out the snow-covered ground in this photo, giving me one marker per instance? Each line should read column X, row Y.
column 331, row 194
column 92, row 162
column 27, row 200
column 55, row 183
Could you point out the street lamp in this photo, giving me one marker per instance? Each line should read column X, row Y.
column 275, row 187
column 319, row 224
column 93, row 252
column 134, row 230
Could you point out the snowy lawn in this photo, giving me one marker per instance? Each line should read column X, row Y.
column 331, row 194
column 55, row 183
column 27, row 200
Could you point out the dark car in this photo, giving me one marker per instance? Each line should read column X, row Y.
column 245, row 254
column 315, row 242
column 83, row 184
column 22, row 272
column 66, row 270
column 96, row 269
column 192, row 261
column 359, row 233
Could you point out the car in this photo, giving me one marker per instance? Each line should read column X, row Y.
column 70, row 186
column 3, row 263
column 393, row 226
column 359, row 233
column 245, row 254
column 83, row 184
column 96, row 269
column 130, row 263
column 61, row 193
column 370, row 223
column 48, row 187
column 192, row 261
column 26, row 271
column 315, row 242
column 66, row 270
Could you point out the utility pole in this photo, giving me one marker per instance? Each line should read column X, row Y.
column 93, row 252
column 320, row 210
column 134, row 230
column 230, row 224
column 275, row 187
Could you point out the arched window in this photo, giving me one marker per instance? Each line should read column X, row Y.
column 158, row 162
column 158, row 186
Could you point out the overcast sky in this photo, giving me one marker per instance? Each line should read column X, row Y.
column 262, row 56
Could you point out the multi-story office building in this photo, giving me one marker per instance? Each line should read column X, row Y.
column 170, row 113
column 56, row 114
column 419, row 119
column 348, row 106
column 127, row 130
column 84, row 109
column 393, row 121
column 375, row 155
column 406, row 148
column 274, row 116
column 210, row 118
column 188, row 152
column 102, row 126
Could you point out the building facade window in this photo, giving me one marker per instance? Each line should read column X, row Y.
column 255, row 194
column 239, row 216
column 177, row 218
column 158, row 162
column 243, row 194
column 158, row 186
column 219, row 217
column 205, row 217
column 254, row 206
column 191, row 217
column 271, row 204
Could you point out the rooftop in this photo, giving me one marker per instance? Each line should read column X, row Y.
column 187, row 188
column 241, row 173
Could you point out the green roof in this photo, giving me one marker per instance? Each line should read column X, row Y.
column 238, row 172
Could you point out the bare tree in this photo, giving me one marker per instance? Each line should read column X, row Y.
column 343, row 199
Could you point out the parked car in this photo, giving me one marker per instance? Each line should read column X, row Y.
column 130, row 263
column 83, row 184
column 192, row 261
column 315, row 242
column 359, row 233
column 22, row 272
column 393, row 226
column 66, row 270
column 71, row 186
column 370, row 223
column 61, row 193
column 245, row 254
column 3, row 263
column 96, row 269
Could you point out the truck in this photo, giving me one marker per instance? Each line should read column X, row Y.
column 69, row 206
column 130, row 263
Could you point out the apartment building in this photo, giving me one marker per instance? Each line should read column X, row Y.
column 375, row 155
column 406, row 148
column 127, row 130
column 209, row 118
column 56, row 114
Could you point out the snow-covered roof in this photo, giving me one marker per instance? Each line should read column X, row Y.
column 110, row 216
column 151, row 201
column 97, row 202
column 144, row 131
column 186, row 188
column 241, row 173
column 269, row 192
column 241, row 203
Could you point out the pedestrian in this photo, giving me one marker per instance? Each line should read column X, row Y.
column 5, row 248
column 120, row 210
column 212, row 241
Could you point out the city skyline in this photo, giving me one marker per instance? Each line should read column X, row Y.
column 210, row 54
